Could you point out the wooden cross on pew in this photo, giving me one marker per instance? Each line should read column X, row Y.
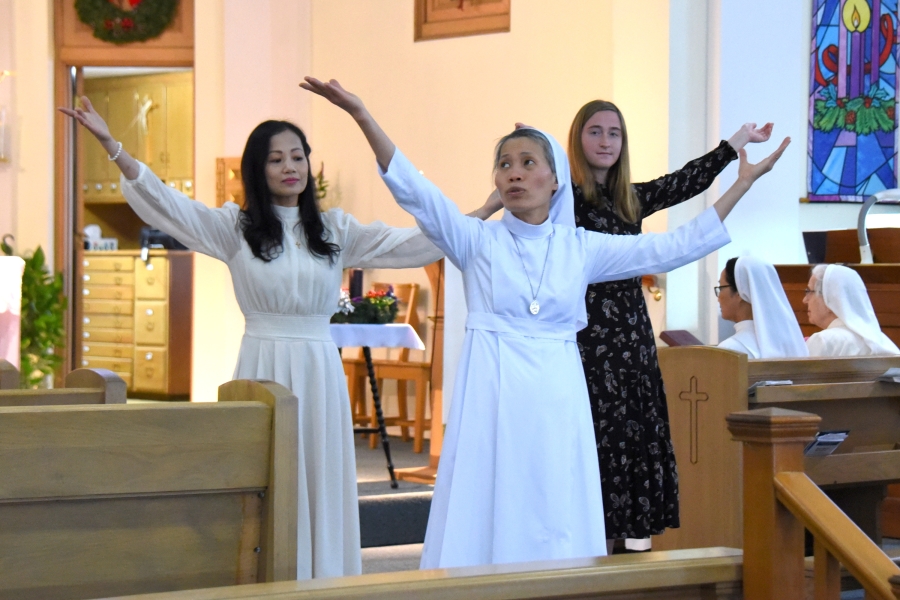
column 693, row 396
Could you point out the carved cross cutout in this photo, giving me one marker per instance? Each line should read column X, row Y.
column 693, row 396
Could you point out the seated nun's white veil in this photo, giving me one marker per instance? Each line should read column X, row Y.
column 845, row 295
column 777, row 330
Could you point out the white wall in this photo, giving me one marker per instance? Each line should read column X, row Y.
column 7, row 97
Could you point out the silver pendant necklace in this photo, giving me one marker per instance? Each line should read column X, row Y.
column 535, row 306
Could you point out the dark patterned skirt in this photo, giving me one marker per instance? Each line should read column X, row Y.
column 638, row 475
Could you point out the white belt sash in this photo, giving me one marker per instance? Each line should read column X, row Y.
column 532, row 328
column 288, row 327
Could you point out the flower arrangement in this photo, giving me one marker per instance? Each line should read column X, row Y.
column 871, row 112
column 374, row 307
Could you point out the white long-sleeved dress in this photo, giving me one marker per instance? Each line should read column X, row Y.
column 288, row 303
column 517, row 479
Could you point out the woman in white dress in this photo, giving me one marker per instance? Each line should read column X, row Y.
column 286, row 260
column 837, row 301
column 517, row 480
column 751, row 295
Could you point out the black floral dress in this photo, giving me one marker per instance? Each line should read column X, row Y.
column 628, row 402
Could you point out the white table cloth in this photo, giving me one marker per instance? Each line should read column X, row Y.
column 390, row 335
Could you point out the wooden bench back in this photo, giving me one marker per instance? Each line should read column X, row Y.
column 704, row 384
column 106, row 500
column 83, row 386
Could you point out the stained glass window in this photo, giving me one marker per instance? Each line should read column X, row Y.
column 852, row 99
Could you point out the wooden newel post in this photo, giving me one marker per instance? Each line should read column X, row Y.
column 773, row 440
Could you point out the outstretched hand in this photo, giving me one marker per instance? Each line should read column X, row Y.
column 750, row 172
column 749, row 133
column 334, row 93
column 92, row 121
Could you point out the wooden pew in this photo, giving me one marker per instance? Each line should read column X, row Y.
column 9, row 375
column 83, row 386
column 708, row 574
column 704, row 384
column 100, row 500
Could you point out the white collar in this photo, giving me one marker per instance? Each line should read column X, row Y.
column 521, row 229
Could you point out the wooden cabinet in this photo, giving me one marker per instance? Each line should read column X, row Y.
column 137, row 319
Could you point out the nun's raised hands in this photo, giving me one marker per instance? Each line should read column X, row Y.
column 748, row 173
column 332, row 91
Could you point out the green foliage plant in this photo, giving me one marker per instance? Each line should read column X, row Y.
column 43, row 309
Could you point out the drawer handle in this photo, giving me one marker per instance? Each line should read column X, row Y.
column 113, row 186
column 84, row 363
column 151, row 326
column 149, row 266
column 86, row 263
column 98, row 186
column 84, row 187
column 118, row 280
column 86, row 348
column 117, row 309
column 86, row 292
column 87, row 277
column 86, row 334
column 149, row 356
column 87, row 320
column 149, row 312
column 151, row 280
column 117, row 266
column 118, row 294
column 149, row 372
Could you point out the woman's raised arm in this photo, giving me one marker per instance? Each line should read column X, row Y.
column 747, row 175
column 93, row 122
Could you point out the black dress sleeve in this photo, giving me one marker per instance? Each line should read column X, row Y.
column 692, row 179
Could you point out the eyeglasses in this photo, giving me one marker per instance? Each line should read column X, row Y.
column 719, row 288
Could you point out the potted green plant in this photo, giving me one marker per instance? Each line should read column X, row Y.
column 43, row 308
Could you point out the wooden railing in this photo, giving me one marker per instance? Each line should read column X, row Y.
column 780, row 500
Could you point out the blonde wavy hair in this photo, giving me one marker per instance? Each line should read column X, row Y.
column 624, row 199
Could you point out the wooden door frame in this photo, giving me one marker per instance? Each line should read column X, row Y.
column 76, row 48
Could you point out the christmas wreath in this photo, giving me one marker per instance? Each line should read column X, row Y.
column 126, row 21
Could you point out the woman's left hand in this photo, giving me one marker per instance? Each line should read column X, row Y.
column 750, row 134
column 749, row 172
column 334, row 93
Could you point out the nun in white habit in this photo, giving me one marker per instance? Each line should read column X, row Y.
column 837, row 301
column 518, row 479
column 750, row 294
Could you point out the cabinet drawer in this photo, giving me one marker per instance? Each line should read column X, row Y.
column 151, row 322
column 108, row 263
column 108, row 322
column 108, row 307
column 107, row 350
column 151, row 279
column 108, row 292
column 119, row 365
column 107, row 278
column 93, row 335
column 150, row 369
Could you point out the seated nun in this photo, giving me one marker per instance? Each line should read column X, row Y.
column 751, row 295
column 837, row 301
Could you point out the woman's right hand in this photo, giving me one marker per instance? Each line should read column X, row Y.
column 87, row 116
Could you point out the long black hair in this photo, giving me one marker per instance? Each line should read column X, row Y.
column 262, row 228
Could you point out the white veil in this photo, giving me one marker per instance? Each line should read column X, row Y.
column 562, row 203
column 777, row 330
column 845, row 294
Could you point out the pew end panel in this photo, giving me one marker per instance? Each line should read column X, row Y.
column 278, row 544
column 698, row 402
column 100, row 500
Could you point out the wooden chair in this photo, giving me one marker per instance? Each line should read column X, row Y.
column 109, row 500
column 357, row 373
column 9, row 375
column 83, row 386
column 405, row 371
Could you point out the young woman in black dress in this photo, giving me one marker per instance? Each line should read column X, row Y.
column 639, row 477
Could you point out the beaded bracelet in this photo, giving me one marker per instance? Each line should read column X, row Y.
column 116, row 155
